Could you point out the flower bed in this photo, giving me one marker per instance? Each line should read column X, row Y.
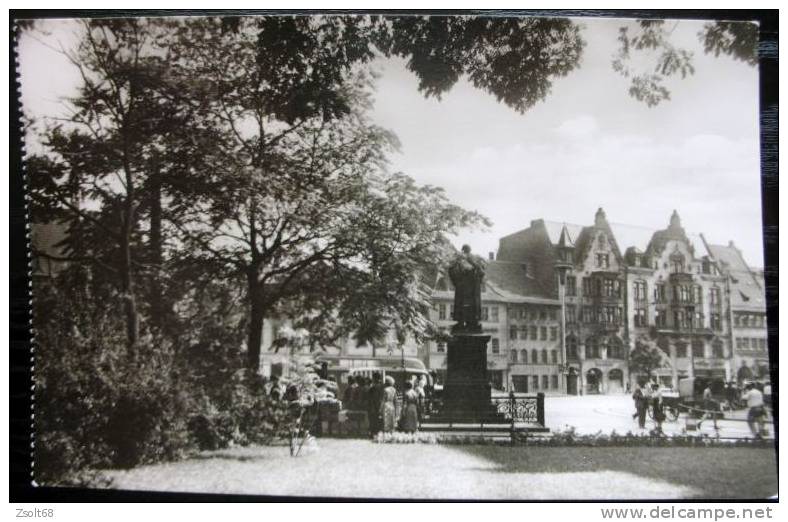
column 570, row 437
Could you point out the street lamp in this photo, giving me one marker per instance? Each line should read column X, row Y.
column 561, row 268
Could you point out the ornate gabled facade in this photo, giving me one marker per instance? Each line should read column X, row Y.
column 678, row 300
column 593, row 311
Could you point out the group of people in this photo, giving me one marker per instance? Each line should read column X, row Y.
column 650, row 396
column 378, row 398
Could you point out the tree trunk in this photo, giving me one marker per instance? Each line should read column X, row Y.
column 159, row 308
column 256, row 316
column 127, row 290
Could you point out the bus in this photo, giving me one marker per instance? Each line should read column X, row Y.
column 339, row 367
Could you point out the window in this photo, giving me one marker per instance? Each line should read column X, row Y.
column 737, row 320
column 716, row 321
column 542, row 314
column 545, row 382
column 571, row 285
column 677, row 264
column 534, row 333
column 698, row 350
column 745, row 320
column 612, row 314
column 678, row 319
column 762, row 344
column 659, row 292
column 600, row 241
column 553, row 333
column 442, row 312
column 543, row 332
column 554, row 382
column 571, row 347
column 588, row 314
column 640, row 290
column 523, row 332
column 739, row 343
column 615, row 349
column 587, row 286
column 681, row 349
column 592, row 348
column 603, row 260
column 513, row 333
column 554, row 355
column 494, row 314
column 640, row 317
column 609, row 288
column 535, row 382
column 571, row 314
column 717, row 349
column 441, row 346
column 544, row 356
column 485, row 313
column 535, row 357
column 524, row 356
column 551, row 314
column 714, row 296
column 496, row 345
column 513, row 356
column 660, row 318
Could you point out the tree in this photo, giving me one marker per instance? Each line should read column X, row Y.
column 738, row 40
column 105, row 168
column 294, row 174
column 646, row 357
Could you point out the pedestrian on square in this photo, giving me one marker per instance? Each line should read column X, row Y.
column 754, row 399
column 388, row 404
column 641, row 406
column 656, row 403
column 374, row 399
column 410, row 409
column 348, row 401
column 708, row 402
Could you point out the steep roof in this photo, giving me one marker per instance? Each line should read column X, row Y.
column 747, row 290
column 514, row 280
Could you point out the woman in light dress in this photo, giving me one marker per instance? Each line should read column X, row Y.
column 410, row 409
column 387, row 405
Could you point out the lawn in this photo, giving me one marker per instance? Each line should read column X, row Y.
column 360, row 468
column 714, row 473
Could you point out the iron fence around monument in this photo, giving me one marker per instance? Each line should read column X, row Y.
column 521, row 412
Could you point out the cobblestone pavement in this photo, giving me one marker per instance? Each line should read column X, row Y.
column 593, row 413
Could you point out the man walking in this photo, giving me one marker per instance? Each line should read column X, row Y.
column 754, row 399
column 641, row 406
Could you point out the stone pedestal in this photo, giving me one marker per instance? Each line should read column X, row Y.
column 467, row 392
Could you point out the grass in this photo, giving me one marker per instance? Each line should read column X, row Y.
column 716, row 473
column 361, row 468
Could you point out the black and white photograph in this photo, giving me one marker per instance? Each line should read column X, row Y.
column 399, row 255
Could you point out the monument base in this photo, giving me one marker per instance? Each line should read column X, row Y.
column 467, row 393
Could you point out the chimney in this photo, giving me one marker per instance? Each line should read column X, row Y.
column 492, row 256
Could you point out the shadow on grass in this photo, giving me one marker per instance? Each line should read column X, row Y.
column 718, row 473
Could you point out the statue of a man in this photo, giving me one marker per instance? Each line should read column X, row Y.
column 466, row 272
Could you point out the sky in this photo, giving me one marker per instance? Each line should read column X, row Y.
column 587, row 145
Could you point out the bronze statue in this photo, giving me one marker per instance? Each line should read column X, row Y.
column 466, row 272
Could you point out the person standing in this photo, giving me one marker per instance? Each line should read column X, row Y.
column 410, row 409
column 656, row 404
column 388, row 404
column 641, row 406
column 374, row 399
column 754, row 399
